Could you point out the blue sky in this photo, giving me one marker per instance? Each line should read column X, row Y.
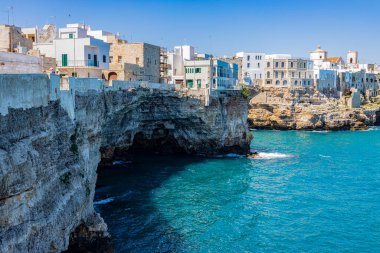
column 221, row 27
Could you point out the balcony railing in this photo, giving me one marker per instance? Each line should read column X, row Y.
column 78, row 63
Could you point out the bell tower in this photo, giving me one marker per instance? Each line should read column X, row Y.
column 352, row 57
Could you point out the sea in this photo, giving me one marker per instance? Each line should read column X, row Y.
column 305, row 192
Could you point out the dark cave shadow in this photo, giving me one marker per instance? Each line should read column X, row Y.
column 123, row 199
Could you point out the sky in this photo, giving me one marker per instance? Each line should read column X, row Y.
column 220, row 27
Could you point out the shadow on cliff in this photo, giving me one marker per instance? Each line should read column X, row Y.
column 124, row 200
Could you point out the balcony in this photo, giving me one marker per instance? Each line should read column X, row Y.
column 78, row 63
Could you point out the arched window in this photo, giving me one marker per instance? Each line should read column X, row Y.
column 268, row 64
column 282, row 64
column 295, row 82
column 277, row 82
column 285, row 82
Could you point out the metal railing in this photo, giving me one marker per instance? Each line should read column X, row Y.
column 78, row 63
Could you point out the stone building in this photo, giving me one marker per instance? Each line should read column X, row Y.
column 283, row 70
column 133, row 61
column 13, row 40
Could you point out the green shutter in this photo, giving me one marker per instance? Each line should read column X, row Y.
column 64, row 60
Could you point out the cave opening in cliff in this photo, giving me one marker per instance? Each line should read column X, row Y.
column 159, row 141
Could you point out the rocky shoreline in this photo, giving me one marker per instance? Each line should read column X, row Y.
column 297, row 109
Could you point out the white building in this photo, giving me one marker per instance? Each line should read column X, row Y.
column 211, row 74
column 76, row 52
column 176, row 63
column 252, row 67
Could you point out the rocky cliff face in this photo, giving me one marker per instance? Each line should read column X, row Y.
column 48, row 162
column 299, row 109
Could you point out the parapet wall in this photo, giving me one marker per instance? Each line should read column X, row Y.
column 23, row 91
column 20, row 63
column 35, row 90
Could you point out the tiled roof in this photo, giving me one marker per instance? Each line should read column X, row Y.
column 334, row 59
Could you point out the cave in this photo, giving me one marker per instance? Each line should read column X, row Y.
column 159, row 141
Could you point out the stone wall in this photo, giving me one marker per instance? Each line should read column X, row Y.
column 14, row 63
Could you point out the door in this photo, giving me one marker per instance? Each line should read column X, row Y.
column 64, row 60
column 95, row 60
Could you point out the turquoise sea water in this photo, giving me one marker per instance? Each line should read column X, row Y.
column 310, row 192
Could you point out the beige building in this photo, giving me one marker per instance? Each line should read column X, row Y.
column 13, row 40
column 282, row 70
column 133, row 61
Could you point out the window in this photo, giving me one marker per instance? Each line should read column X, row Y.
column 137, row 60
column 291, row 64
column 119, row 59
column 104, row 58
column 111, row 59
column 268, row 64
column 258, row 64
column 304, row 65
column 275, row 74
column 71, row 36
column 189, row 83
column 248, row 65
column 89, row 56
column 268, row 74
column 282, row 74
column 199, row 83
column 276, row 64
column 198, row 70
column 248, row 58
column 293, row 74
column 282, row 64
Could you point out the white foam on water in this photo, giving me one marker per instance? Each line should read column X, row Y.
column 324, row 156
column 321, row 131
column 269, row 156
column 373, row 128
column 104, row 201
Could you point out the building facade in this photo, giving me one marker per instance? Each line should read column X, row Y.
column 211, row 74
column 252, row 67
column 282, row 70
column 133, row 61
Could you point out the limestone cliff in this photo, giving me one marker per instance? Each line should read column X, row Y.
column 48, row 160
column 300, row 109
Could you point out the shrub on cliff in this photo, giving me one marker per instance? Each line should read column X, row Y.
column 245, row 91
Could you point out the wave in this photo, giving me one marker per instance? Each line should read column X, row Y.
column 104, row 201
column 231, row 155
column 373, row 128
column 274, row 155
column 121, row 162
column 324, row 156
